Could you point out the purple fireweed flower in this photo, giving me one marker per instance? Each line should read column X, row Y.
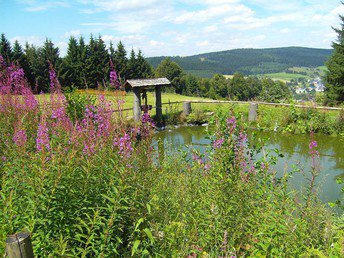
column 207, row 167
column 218, row 143
column 313, row 144
column 231, row 124
column 124, row 145
column 20, row 137
column 114, row 82
column 55, row 86
column 88, row 149
column 3, row 157
column 197, row 158
column 42, row 140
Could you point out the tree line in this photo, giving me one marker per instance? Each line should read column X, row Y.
column 238, row 87
column 88, row 66
column 84, row 66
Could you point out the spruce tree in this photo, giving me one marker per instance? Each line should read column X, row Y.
column 6, row 49
column 144, row 69
column 132, row 67
column 82, row 58
column 334, row 79
column 48, row 54
column 120, row 61
column 31, row 53
column 97, row 67
column 112, row 52
column 71, row 66
column 20, row 58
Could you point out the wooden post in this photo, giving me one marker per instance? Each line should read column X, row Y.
column 158, row 104
column 187, row 108
column 253, row 112
column 137, row 105
column 19, row 246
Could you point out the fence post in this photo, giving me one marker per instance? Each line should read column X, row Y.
column 19, row 246
column 253, row 112
column 187, row 108
column 137, row 104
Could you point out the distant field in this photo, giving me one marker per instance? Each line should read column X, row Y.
column 129, row 98
column 285, row 76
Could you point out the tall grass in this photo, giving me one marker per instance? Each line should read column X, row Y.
column 86, row 184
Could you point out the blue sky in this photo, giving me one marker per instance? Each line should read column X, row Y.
column 174, row 27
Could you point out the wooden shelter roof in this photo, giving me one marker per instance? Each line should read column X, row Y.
column 148, row 82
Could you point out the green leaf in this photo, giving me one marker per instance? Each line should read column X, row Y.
column 149, row 234
column 135, row 247
column 138, row 223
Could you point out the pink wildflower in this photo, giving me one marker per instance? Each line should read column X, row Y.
column 42, row 140
column 20, row 137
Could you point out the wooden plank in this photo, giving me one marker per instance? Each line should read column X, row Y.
column 148, row 82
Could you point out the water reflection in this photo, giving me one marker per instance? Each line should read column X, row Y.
column 294, row 147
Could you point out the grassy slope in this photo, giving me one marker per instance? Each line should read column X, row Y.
column 284, row 76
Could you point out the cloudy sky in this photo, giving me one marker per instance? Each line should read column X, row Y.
column 174, row 27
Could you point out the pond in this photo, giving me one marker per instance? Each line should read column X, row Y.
column 294, row 147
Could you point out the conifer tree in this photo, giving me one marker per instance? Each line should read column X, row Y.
column 97, row 67
column 120, row 61
column 20, row 58
column 71, row 65
column 31, row 53
column 5, row 49
column 82, row 57
column 48, row 54
column 144, row 69
column 334, row 80
column 112, row 52
column 132, row 67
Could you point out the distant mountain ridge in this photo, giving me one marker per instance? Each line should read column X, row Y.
column 249, row 61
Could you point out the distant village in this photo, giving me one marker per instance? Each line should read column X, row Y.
column 314, row 85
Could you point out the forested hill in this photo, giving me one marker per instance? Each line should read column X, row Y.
column 249, row 61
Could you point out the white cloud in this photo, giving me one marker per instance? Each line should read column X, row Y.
column 285, row 30
column 74, row 33
column 213, row 12
column 32, row 40
column 203, row 43
column 38, row 6
column 210, row 29
column 119, row 5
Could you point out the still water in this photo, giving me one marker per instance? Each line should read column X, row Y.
column 295, row 149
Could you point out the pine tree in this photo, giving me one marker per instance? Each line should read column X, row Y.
column 6, row 49
column 120, row 61
column 334, row 80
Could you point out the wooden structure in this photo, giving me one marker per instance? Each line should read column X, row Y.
column 19, row 246
column 140, row 88
column 253, row 112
